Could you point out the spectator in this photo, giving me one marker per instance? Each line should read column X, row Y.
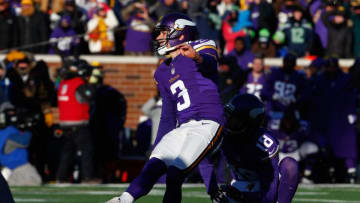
column 333, row 125
column 100, row 30
column 283, row 89
column 65, row 38
column 214, row 18
column 4, row 84
column 108, row 115
column 32, row 90
column 184, row 6
column 242, row 54
column 314, row 68
column 163, row 7
column 14, row 141
column 243, row 20
column 230, row 78
column 207, row 21
column 262, row 15
column 297, row 32
column 339, row 34
column 264, row 45
column 228, row 33
column 77, row 14
column 73, row 99
column 152, row 108
column 255, row 79
column 224, row 7
column 284, row 10
column 355, row 17
column 139, row 33
column 30, row 34
column 317, row 10
column 8, row 27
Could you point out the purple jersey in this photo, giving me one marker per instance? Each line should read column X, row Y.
column 138, row 35
column 290, row 142
column 189, row 90
column 244, row 59
column 282, row 90
column 255, row 161
column 253, row 85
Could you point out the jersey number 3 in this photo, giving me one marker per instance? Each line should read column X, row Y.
column 183, row 93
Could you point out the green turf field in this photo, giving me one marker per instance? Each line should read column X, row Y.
column 191, row 194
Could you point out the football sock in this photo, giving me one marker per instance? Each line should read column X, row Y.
column 174, row 180
column 143, row 183
column 208, row 175
column 288, row 181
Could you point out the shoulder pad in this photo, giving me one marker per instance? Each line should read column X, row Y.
column 201, row 44
column 269, row 145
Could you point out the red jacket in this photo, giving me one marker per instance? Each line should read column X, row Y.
column 230, row 36
column 70, row 110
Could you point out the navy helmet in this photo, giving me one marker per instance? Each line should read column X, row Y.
column 245, row 113
column 175, row 24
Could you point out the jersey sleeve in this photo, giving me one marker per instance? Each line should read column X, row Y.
column 207, row 50
column 168, row 113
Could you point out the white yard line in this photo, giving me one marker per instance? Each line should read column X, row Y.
column 306, row 186
column 192, row 185
column 311, row 193
column 30, row 200
column 324, row 200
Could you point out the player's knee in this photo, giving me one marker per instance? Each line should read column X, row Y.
column 154, row 167
column 174, row 176
column 289, row 167
column 308, row 148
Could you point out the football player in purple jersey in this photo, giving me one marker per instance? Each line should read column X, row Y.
column 283, row 89
column 252, row 153
column 293, row 136
column 192, row 113
column 256, row 78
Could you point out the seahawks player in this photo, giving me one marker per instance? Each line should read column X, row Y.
column 252, row 153
column 192, row 114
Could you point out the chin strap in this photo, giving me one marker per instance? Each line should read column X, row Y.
column 163, row 51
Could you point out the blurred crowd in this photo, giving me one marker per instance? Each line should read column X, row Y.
column 83, row 142
column 270, row 27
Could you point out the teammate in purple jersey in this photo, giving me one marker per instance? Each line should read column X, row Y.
column 256, row 79
column 283, row 89
column 252, row 153
column 192, row 114
column 334, row 99
column 293, row 136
